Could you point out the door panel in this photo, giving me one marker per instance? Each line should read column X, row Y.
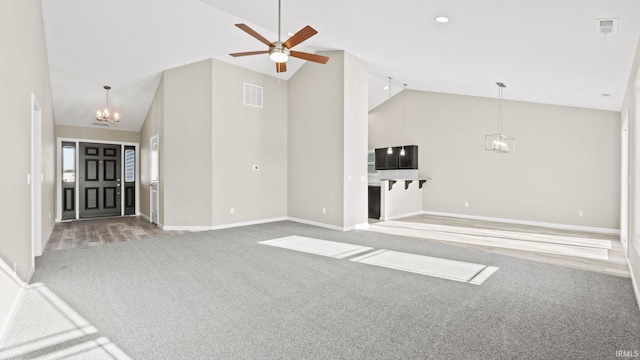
column 129, row 180
column 99, row 180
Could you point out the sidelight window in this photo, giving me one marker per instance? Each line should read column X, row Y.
column 129, row 165
column 68, row 163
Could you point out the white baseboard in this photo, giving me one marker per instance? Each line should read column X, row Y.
column 145, row 217
column 634, row 282
column 247, row 223
column 363, row 226
column 401, row 215
column 12, row 289
column 220, row 227
column 526, row 222
column 314, row 223
column 47, row 237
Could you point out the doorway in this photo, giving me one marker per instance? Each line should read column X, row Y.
column 36, row 178
column 99, row 180
column 153, row 185
column 96, row 179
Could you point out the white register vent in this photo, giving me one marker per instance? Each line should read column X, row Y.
column 252, row 95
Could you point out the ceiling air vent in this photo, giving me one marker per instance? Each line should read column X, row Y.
column 607, row 26
column 252, row 95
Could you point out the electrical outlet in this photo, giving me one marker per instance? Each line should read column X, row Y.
column 580, row 213
column 232, row 211
column 28, row 179
column 466, row 204
column 349, row 178
column 324, row 210
column 363, row 178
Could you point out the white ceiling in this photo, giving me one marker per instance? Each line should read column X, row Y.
column 546, row 51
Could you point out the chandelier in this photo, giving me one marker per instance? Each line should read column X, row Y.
column 105, row 114
column 500, row 142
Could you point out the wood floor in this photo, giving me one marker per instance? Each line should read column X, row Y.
column 612, row 262
column 83, row 233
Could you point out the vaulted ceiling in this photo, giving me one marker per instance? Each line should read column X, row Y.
column 546, row 51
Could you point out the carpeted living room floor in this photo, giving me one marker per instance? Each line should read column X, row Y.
column 222, row 295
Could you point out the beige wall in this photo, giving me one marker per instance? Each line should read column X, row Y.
column 316, row 142
column 356, row 80
column 209, row 142
column 153, row 125
column 326, row 142
column 243, row 136
column 567, row 159
column 23, row 70
column 186, row 145
column 631, row 108
column 96, row 133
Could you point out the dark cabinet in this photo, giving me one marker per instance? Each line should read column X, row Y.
column 410, row 158
column 385, row 161
column 374, row 202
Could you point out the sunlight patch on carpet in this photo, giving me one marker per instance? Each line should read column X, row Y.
column 316, row 246
column 427, row 265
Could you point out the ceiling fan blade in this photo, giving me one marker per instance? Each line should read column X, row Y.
column 281, row 67
column 253, row 33
column 300, row 36
column 310, row 57
column 250, row 53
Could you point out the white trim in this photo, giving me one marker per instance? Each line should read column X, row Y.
column 46, row 241
column 145, row 217
column 59, row 141
column 526, row 222
column 219, row 227
column 634, row 283
column 401, row 215
column 183, row 228
column 363, row 226
column 37, row 179
column 246, row 223
column 326, row 226
column 9, row 274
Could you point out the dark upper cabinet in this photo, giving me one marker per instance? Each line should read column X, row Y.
column 386, row 161
column 410, row 158
column 394, row 161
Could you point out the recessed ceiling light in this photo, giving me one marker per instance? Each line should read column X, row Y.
column 290, row 34
column 386, row 87
column 442, row 19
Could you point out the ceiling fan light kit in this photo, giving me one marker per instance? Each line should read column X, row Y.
column 279, row 52
column 499, row 143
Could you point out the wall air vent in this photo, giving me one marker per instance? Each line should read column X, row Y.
column 100, row 124
column 252, row 95
column 607, row 26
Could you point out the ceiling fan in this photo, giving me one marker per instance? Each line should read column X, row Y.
column 280, row 51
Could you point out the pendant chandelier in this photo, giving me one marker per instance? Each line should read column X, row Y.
column 105, row 114
column 499, row 143
column 404, row 116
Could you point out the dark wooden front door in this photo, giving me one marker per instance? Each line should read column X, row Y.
column 99, row 180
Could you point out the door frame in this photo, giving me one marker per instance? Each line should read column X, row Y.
column 624, row 184
column 155, row 137
column 58, row 178
column 36, row 179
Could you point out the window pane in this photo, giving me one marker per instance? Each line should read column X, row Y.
column 129, row 165
column 68, row 164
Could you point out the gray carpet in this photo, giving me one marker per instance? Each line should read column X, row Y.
column 220, row 295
